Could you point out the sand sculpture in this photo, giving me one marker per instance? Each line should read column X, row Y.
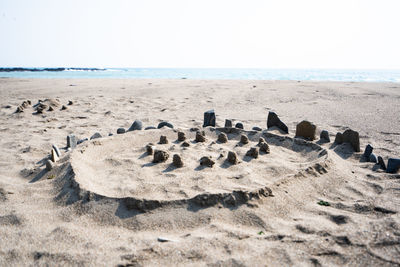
column 210, row 149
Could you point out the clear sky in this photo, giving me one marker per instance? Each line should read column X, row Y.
column 202, row 33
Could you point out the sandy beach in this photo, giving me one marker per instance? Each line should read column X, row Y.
column 105, row 203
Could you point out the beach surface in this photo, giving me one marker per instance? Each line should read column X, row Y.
column 106, row 204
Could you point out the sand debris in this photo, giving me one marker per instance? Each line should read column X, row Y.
column 177, row 161
column 163, row 139
column 252, row 152
column 207, row 161
column 222, row 138
column 160, row 156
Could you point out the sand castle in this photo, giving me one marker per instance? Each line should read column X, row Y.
column 146, row 177
column 170, row 178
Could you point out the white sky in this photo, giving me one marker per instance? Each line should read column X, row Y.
column 202, row 33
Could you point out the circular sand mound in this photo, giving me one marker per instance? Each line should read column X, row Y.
column 119, row 167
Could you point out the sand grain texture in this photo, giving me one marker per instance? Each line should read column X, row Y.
column 106, row 203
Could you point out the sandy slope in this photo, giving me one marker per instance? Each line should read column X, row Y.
column 46, row 221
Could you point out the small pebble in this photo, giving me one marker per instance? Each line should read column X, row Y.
column 150, row 128
column 381, row 162
column 239, row 125
column 120, row 130
column 95, row 136
column 137, row 125
column 63, row 107
column 228, row 123
column 165, row 124
column 71, row 141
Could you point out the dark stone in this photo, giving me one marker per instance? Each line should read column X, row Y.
column 177, row 161
column 150, row 128
column 352, row 137
column 200, row 137
column 160, row 156
column 71, row 141
column 372, row 158
column 324, row 136
column 273, row 120
column 222, row 138
column 137, row 125
column 64, row 107
column 339, row 138
column 393, row 165
column 163, row 139
column 209, row 118
column 239, row 125
column 253, row 152
column 165, row 124
column 70, row 103
column 232, row 158
column 306, row 130
column 256, row 128
column 181, row 136
column 228, row 123
column 120, row 131
column 185, row 144
column 207, row 161
column 50, row 108
column 194, row 129
column 244, row 139
column 264, row 147
column 95, row 136
column 110, row 134
column 381, row 162
column 82, row 140
column 368, row 150
column 150, row 149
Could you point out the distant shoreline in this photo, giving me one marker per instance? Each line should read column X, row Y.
column 18, row 69
column 345, row 75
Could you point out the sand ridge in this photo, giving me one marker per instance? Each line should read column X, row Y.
column 119, row 166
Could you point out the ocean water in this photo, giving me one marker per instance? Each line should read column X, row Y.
column 242, row 74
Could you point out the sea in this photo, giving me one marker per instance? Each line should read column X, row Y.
column 216, row 73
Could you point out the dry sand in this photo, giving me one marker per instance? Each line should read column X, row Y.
column 105, row 203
